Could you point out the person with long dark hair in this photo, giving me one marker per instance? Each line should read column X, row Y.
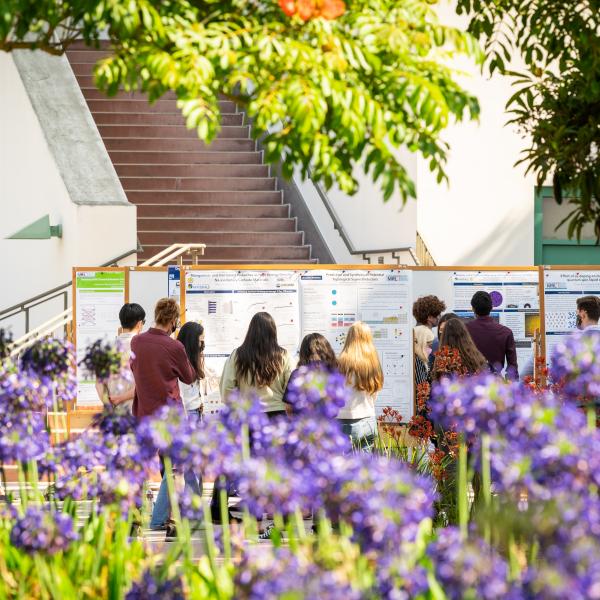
column 315, row 349
column 259, row 365
column 456, row 337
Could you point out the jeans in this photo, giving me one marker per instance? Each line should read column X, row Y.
column 360, row 431
column 193, row 484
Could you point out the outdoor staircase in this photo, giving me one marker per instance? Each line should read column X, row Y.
column 220, row 194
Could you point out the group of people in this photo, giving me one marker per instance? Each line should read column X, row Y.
column 481, row 343
column 167, row 369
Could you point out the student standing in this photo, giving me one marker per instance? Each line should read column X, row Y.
column 455, row 336
column 259, row 365
column 159, row 362
column 427, row 310
column 119, row 389
column 588, row 312
column 496, row 342
column 359, row 362
column 423, row 347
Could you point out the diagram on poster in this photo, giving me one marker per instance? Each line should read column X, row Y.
column 225, row 301
column 332, row 300
column 561, row 290
column 515, row 303
column 99, row 297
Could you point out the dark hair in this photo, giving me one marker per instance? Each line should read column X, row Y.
column 189, row 335
column 446, row 317
column 316, row 348
column 456, row 335
column 591, row 305
column 427, row 306
column 130, row 315
column 166, row 311
column 481, row 303
column 260, row 357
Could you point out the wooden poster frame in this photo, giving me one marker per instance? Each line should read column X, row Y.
column 125, row 270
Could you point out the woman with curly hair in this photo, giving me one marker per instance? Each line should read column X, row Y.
column 427, row 310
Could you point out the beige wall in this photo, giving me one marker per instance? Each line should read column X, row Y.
column 31, row 186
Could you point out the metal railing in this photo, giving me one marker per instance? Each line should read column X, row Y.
column 424, row 257
column 339, row 227
column 65, row 318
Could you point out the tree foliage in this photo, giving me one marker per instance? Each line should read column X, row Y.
column 557, row 100
column 324, row 94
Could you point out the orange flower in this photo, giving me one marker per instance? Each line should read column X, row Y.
column 288, row 7
column 332, row 9
column 305, row 8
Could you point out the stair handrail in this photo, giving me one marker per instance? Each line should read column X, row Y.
column 339, row 227
column 175, row 251
column 65, row 318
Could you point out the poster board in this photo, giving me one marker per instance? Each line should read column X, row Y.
column 98, row 294
column 515, row 292
column 147, row 285
column 562, row 285
column 303, row 300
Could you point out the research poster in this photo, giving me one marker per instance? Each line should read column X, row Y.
column 561, row 290
column 515, row 303
column 99, row 297
column 332, row 300
column 225, row 301
column 173, row 286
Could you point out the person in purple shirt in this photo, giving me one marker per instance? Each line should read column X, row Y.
column 496, row 342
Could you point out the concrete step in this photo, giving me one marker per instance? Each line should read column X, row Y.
column 198, row 183
column 211, row 225
column 178, row 145
column 168, row 131
column 223, row 238
column 246, row 254
column 149, row 118
column 216, row 211
column 228, row 171
column 220, row 197
column 204, row 157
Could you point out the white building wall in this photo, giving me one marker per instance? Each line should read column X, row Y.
column 31, row 186
column 485, row 216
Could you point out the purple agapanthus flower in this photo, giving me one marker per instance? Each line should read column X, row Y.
column 151, row 586
column 39, row 530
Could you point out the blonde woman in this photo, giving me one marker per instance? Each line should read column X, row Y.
column 359, row 362
column 423, row 337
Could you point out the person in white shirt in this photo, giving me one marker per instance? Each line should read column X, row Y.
column 588, row 312
column 191, row 335
column 359, row 362
column 119, row 389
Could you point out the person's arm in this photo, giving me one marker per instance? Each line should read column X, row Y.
column 183, row 368
column 124, row 397
column 512, row 368
column 228, row 381
column 101, row 391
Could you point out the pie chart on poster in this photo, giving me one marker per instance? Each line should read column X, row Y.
column 496, row 299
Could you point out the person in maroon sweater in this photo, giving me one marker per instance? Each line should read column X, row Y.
column 496, row 342
column 159, row 362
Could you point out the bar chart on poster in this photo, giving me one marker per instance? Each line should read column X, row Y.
column 332, row 300
column 225, row 301
column 515, row 303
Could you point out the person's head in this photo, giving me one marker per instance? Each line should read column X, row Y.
column 427, row 310
column 166, row 315
column 260, row 358
column 442, row 323
column 132, row 317
column 191, row 335
column 588, row 310
column 457, row 336
column 316, row 348
column 481, row 303
column 359, row 360
column 423, row 342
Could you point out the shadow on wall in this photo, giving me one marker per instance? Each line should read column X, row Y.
column 510, row 242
